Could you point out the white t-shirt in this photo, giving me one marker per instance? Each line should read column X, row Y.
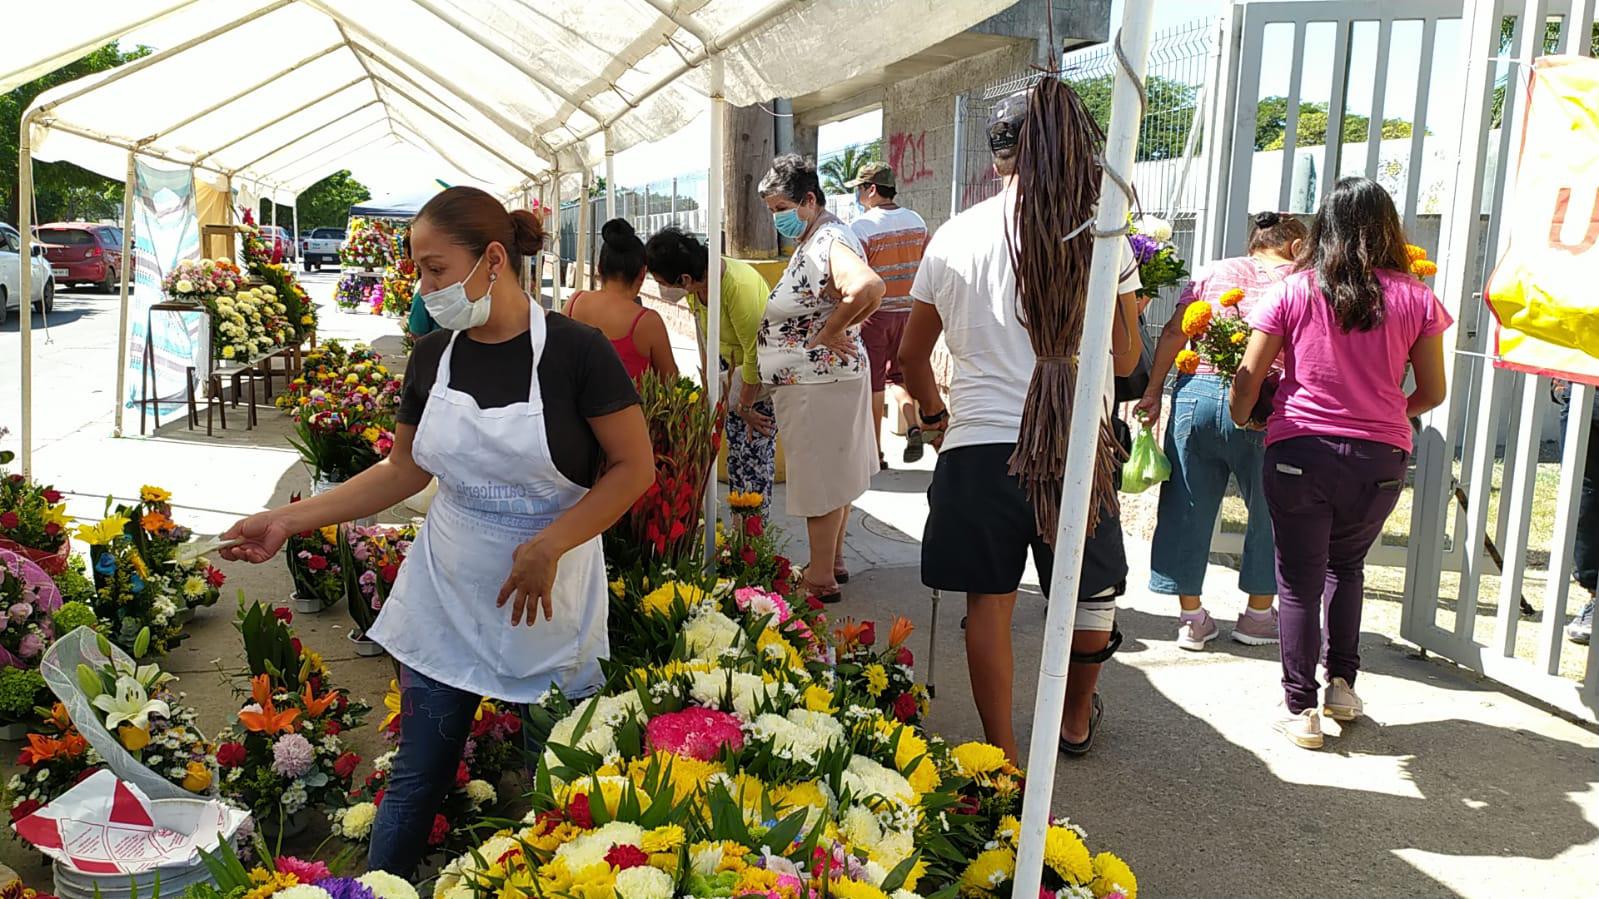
column 966, row 275
column 894, row 240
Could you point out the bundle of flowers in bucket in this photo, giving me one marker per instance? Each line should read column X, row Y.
column 248, row 323
column 493, row 749
column 399, row 286
column 33, row 522
column 28, row 600
column 338, row 438
column 371, row 558
column 132, row 597
column 882, row 678
column 198, row 280
column 315, row 568
column 368, row 244
column 1159, row 264
column 284, row 758
column 157, row 538
column 749, row 551
column 347, row 294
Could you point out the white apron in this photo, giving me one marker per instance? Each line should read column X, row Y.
column 498, row 487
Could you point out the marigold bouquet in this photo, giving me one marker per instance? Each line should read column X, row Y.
column 1219, row 339
column 33, row 522
column 1420, row 265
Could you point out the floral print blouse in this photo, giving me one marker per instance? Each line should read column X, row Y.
column 799, row 307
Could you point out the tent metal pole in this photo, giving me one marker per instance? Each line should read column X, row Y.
column 515, row 166
column 683, row 21
column 139, row 65
column 293, row 112
column 281, row 73
column 127, row 275
column 76, row 53
column 295, row 235
column 303, row 136
column 585, row 274
column 713, row 287
column 555, row 215
column 25, row 284
column 356, row 149
column 121, row 144
column 610, row 178
column 1082, row 447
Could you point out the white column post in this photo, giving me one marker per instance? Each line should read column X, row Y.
column 610, row 178
column 127, row 273
column 25, row 286
column 299, row 255
column 1088, row 401
column 713, row 287
column 555, row 216
column 585, row 278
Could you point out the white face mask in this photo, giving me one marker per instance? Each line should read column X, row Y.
column 453, row 309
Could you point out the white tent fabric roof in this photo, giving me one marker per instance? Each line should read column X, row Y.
column 283, row 92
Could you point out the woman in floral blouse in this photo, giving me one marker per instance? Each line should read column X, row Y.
column 810, row 351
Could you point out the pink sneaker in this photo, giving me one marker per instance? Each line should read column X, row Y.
column 1254, row 630
column 1194, row 633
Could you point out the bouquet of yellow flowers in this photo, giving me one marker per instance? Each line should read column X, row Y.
column 1219, row 339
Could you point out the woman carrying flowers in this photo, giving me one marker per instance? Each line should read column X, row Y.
column 1204, row 446
column 512, row 409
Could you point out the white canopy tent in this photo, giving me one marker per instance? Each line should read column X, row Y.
column 511, row 93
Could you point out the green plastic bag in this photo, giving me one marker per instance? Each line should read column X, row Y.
column 1146, row 465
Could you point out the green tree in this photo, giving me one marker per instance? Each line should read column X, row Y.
column 842, row 166
column 61, row 189
column 326, row 204
column 1310, row 130
column 1507, row 47
column 1166, row 125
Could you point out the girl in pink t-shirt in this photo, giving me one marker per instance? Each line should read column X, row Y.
column 1338, row 441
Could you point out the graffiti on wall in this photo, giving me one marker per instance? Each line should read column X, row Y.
column 907, row 153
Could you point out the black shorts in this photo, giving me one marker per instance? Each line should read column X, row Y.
column 980, row 527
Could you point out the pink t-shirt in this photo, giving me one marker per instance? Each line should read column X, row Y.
column 1210, row 282
column 1341, row 384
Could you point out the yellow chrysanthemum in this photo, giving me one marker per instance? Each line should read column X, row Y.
column 618, row 589
column 819, row 699
column 659, row 602
column 854, row 889
column 1187, row 362
column 1238, row 337
column 1112, row 874
column 973, row 759
column 1196, row 318
column 663, row 839
column 791, row 796
column 1231, row 298
column 988, row 872
column 152, row 494
column 770, row 639
column 876, row 679
column 273, row 882
column 1066, row 855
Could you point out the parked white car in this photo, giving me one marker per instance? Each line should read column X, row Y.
column 44, row 285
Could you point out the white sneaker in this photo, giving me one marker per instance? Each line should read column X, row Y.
column 1303, row 729
column 1340, row 702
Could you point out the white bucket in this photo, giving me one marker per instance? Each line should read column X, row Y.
column 182, row 815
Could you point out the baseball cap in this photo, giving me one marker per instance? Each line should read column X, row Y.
column 878, row 173
column 1005, row 122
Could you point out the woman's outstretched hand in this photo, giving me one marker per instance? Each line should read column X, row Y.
column 263, row 534
column 531, row 582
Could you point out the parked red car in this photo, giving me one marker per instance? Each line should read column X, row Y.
column 83, row 253
column 283, row 246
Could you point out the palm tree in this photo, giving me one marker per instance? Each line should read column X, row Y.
column 842, row 166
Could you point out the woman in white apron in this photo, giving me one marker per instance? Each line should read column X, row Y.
column 503, row 595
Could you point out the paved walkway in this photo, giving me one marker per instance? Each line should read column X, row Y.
column 1452, row 788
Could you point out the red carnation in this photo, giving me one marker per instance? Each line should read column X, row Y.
column 868, row 633
column 333, row 727
column 317, row 563
column 25, row 808
column 441, row 829
column 215, row 577
column 284, row 615
column 346, row 764
column 623, row 856
column 905, row 707
column 904, row 657
column 748, row 555
column 577, row 811
column 231, row 755
column 9, row 520
column 52, row 495
column 753, row 526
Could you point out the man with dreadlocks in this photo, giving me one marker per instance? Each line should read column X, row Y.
column 981, row 523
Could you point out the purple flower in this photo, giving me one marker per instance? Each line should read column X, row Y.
column 1145, row 247
column 345, row 888
column 20, row 612
column 292, row 756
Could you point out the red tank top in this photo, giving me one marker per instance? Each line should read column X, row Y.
column 633, row 361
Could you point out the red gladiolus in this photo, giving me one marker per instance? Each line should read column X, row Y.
column 904, row 657
column 905, row 707
column 284, row 615
column 52, row 495
column 577, row 811
column 678, row 530
column 623, row 856
column 9, row 520
column 231, row 755
column 753, row 526
column 346, row 764
column 317, row 563
column 441, row 830
column 868, row 633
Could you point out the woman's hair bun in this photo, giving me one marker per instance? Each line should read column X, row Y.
column 1267, row 219
column 527, row 231
column 617, row 229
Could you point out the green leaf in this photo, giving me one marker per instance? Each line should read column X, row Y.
column 896, row 877
column 781, row 837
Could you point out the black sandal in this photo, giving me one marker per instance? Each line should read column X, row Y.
column 1087, row 743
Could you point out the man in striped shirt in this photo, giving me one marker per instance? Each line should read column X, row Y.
column 894, row 238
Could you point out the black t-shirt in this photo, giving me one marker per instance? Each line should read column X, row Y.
column 580, row 377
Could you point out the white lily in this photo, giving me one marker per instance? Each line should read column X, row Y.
column 131, row 705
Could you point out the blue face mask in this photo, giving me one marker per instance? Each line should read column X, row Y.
column 788, row 223
column 859, row 206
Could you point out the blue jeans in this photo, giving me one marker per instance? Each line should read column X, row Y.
column 1205, row 448
column 435, row 721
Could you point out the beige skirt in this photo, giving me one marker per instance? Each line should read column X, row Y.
column 827, row 442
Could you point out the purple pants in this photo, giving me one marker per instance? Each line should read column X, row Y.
column 1328, row 497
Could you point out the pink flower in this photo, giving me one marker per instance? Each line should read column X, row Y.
column 305, row 872
column 31, row 646
column 761, row 603
column 293, row 756
column 696, row 732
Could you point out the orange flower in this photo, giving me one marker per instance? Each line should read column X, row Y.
column 269, row 720
column 1424, row 268
column 1188, row 362
column 902, row 628
column 156, row 522
column 1196, row 318
column 1232, row 297
column 314, row 707
column 850, row 633
column 60, row 720
column 1414, row 252
column 42, row 749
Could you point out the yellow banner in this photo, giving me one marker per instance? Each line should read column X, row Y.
column 1544, row 292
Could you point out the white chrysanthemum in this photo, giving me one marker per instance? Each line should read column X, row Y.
column 748, row 690
column 303, row 891
column 643, row 882
column 480, row 792
column 590, row 848
column 827, row 728
column 706, row 859
column 357, row 821
column 386, row 886
column 709, row 633
column 866, row 778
